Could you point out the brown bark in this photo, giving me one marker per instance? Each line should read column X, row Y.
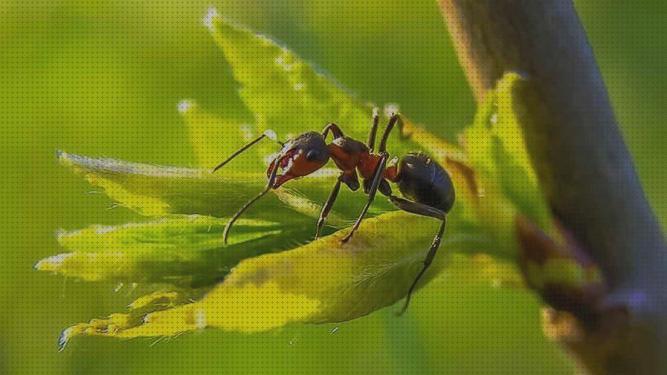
column 582, row 162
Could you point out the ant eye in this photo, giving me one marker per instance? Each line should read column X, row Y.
column 312, row 155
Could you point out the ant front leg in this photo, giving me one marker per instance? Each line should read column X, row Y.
column 423, row 210
column 377, row 178
column 395, row 119
column 385, row 136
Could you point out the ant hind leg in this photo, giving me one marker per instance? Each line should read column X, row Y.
column 423, row 210
column 416, row 207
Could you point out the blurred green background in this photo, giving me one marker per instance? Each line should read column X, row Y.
column 104, row 78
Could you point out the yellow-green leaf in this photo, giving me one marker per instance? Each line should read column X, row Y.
column 506, row 179
column 180, row 250
column 322, row 281
column 214, row 138
column 284, row 92
column 154, row 190
column 318, row 281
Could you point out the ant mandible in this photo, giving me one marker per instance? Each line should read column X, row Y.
column 424, row 182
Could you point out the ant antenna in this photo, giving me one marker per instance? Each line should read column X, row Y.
column 241, row 210
column 267, row 134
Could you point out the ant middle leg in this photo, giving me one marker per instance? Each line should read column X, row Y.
column 377, row 178
column 384, row 187
column 348, row 178
column 326, row 208
column 423, row 210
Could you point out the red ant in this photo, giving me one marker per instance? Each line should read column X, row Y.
column 419, row 178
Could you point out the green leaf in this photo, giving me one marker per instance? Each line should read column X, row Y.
column 557, row 268
column 563, row 272
column 213, row 138
column 516, row 173
column 285, row 93
column 154, row 190
column 506, row 180
column 180, row 250
column 318, row 282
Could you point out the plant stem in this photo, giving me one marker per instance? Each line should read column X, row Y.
column 582, row 162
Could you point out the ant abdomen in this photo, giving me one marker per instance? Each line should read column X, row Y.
column 423, row 180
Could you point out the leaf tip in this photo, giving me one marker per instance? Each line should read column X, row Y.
column 509, row 81
column 63, row 157
column 52, row 263
column 67, row 334
column 71, row 160
column 63, row 339
column 60, row 233
column 211, row 17
column 186, row 105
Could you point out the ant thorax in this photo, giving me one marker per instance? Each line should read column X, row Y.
column 346, row 153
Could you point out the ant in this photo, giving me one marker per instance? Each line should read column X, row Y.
column 424, row 182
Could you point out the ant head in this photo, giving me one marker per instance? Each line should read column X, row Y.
column 299, row 157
